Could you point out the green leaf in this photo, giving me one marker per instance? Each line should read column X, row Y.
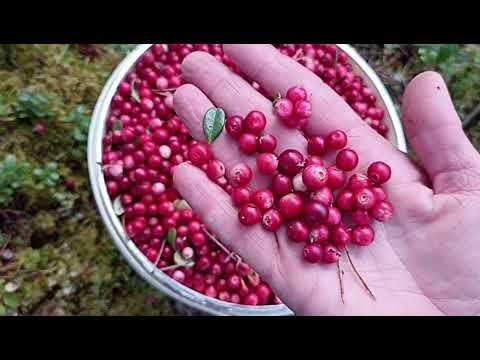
column 213, row 124
column 117, row 125
column 171, row 237
column 11, row 300
column 179, row 260
column 3, row 311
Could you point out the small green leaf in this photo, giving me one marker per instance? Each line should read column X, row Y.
column 11, row 300
column 179, row 260
column 171, row 237
column 213, row 124
column 117, row 125
column 3, row 311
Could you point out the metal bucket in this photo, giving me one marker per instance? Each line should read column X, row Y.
column 128, row 249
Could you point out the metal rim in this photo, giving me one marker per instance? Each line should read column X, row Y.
column 141, row 265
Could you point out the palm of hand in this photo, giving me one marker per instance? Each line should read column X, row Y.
column 423, row 262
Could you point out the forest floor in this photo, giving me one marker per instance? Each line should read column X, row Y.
column 55, row 255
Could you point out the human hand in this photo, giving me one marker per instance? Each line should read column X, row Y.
column 425, row 261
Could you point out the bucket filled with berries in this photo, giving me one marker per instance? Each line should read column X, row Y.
column 136, row 139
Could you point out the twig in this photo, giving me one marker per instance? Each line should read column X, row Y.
column 219, row 244
column 340, row 279
column 160, row 252
column 359, row 276
column 470, row 117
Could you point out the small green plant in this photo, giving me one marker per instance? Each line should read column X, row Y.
column 6, row 110
column 33, row 105
column 47, row 177
column 123, row 48
column 13, row 175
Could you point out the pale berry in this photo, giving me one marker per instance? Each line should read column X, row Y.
column 283, row 109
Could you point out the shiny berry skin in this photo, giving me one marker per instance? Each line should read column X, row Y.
column 249, row 215
column 302, row 109
column 272, row 220
column 263, row 199
column 315, row 213
column 324, row 196
column 336, row 178
column 267, row 163
column 336, row 140
column 281, row 184
column 296, row 94
column 382, row 211
column 240, row 175
column 255, row 122
column 317, row 146
column 233, row 282
column 380, row 194
column 266, row 143
column 345, row 200
column 314, row 177
column 291, row 206
column 251, row 299
column 330, row 254
column 248, row 143
column 199, row 154
column 379, row 172
column 361, row 217
column 334, row 217
column 290, row 162
column 314, row 160
column 215, row 169
column 347, row 160
column 340, row 236
column 234, row 126
column 357, row 182
column 241, row 196
column 283, row 109
column 312, row 253
column 364, row 199
column 297, row 231
column 363, row 235
column 319, row 234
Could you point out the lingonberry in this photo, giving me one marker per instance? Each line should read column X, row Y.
column 266, row 143
column 290, row 162
column 281, row 184
column 357, row 182
column 234, row 126
column 312, row 253
column 382, row 211
column 319, row 234
column 215, row 169
column 347, row 160
column 302, row 110
column 240, row 175
column 267, row 163
column 380, row 194
column 336, row 140
column 291, row 206
column 264, row 293
column 263, row 199
column 241, row 196
column 249, row 215
column 379, row 172
column 248, row 143
column 272, row 220
column 315, row 213
column 315, row 177
column 297, row 231
column 296, row 94
column 251, row 299
column 363, row 235
column 341, row 236
column 324, row 196
column 283, row 109
column 316, row 146
column 364, row 199
column 334, row 216
column 330, row 254
column 361, row 217
column 336, row 178
column 199, row 154
column 255, row 122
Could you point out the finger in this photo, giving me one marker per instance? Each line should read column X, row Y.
column 229, row 91
column 191, row 105
column 276, row 72
column 256, row 246
column 435, row 132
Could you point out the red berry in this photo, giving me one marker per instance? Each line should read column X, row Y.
column 266, row 143
column 358, row 181
column 263, row 199
column 379, row 172
column 315, row 177
column 290, row 162
column 281, row 184
column 215, row 169
column 249, row 215
column 324, row 196
column 248, row 143
column 283, row 109
column 364, row 199
column 296, row 93
column 240, row 175
column 199, row 154
column 334, row 217
column 347, row 160
column 234, row 126
column 255, row 122
column 336, row 140
column 291, row 206
column 297, row 231
column 336, row 178
column 233, row 282
column 382, row 211
column 272, row 220
column 315, row 213
column 341, row 236
column 241, row 196
column 319, row 234
column 380, row 194
column 302, row 109
column 330, row 254
column 316, row 145
column 345, row 200
column 312, row 253
column 363, row 235
column 251, row 300
column 361, row 217
column 267, row 163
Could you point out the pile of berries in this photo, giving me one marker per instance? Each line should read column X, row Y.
column 314, row 201
column 144, row 140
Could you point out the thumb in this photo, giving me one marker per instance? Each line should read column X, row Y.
column 435, row 133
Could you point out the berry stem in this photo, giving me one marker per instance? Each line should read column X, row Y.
column 219, row 244
column 160, row 252
column 359, row 276
column 340, row 280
